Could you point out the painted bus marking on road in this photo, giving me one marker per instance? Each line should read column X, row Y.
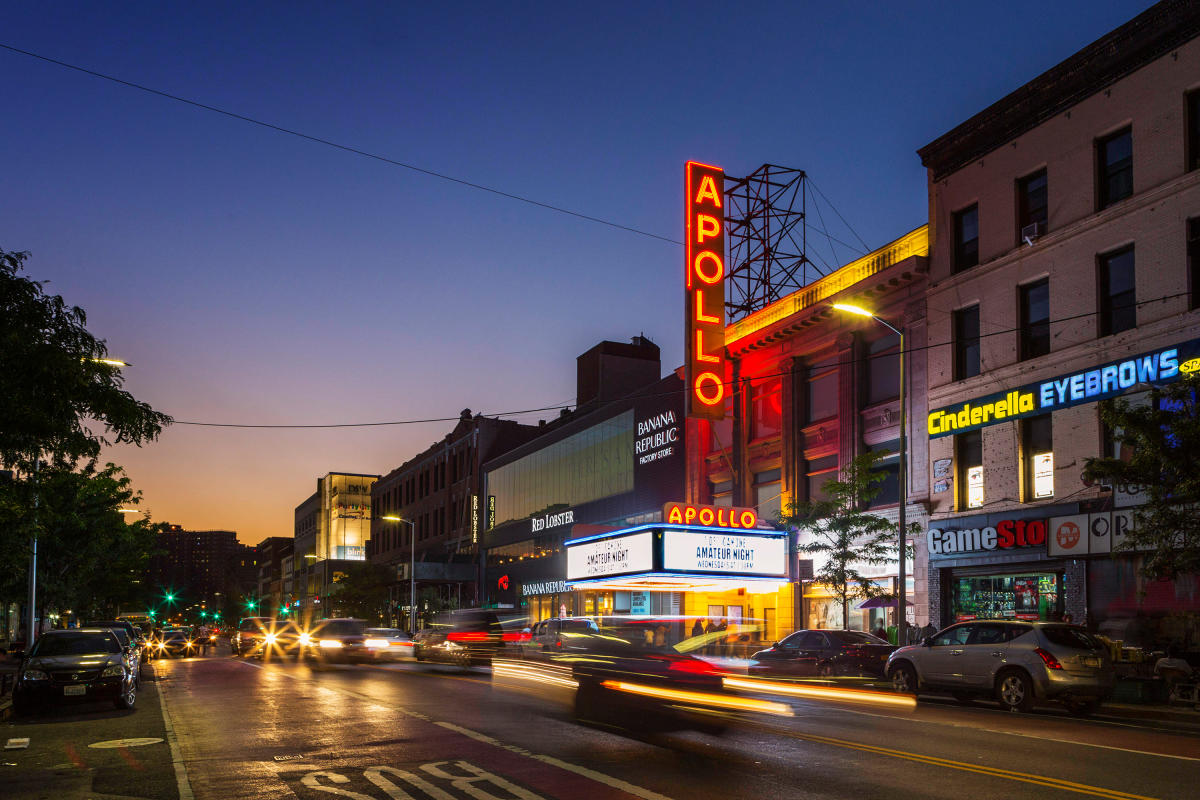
column 467, row 780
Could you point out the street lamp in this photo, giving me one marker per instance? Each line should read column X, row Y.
column 412, row 568
column 902, row 577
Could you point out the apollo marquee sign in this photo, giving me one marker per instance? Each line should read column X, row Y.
column 1064, row 391
column 704, row 283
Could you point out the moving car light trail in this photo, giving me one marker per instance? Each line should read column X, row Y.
column 701, row 698
column 809, row 692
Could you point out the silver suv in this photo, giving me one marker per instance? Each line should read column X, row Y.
column 1017, row 663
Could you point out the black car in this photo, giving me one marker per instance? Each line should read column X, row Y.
column 80, row 665
column 824, row 652
column 250, row 635
column 131, row 639
column 466, row 637
column 175, row 642
column 632, row 672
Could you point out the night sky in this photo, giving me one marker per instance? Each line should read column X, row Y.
column 250, row 276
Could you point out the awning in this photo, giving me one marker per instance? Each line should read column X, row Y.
column 881, row 602
column 674, row 582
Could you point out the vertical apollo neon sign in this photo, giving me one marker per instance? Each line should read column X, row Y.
column 704, row 256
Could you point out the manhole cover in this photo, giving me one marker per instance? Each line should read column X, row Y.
column 114, row 743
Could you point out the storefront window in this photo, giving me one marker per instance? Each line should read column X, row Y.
column 820, row 470
column 767, row 407
column 1037, row 442
column 722, row 493
column 1031, row 597
column 821, row 395
column 767, row 494
column 969, row 454
column 721, row 431
column 889, row 466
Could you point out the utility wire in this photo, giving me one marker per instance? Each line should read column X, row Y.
column 329, row 143
column 645, row 394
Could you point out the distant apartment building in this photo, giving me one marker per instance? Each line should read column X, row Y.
column 436, row 496
column 331, row 530
column 208, row 567
column 274, row 554
column 1064, row 269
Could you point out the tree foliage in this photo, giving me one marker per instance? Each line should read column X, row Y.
column 1160, row 453
column 53, row 387
column 362, row 591
column 90, row 560
column 844, row 536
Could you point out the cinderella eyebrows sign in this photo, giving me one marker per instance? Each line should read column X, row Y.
column 704, row 256
column 1064, row 391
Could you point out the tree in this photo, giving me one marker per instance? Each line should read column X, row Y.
column 89, row 559
column 1160, row 453
column 362, row 591
column 53, row 384
column 844, row 533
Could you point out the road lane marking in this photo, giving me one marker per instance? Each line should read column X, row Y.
column 995, row 772
column 181, row 778
column 1035, row 736
column 591, row 774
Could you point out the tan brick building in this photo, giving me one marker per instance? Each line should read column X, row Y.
column 1064, row 237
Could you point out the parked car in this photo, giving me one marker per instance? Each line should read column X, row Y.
column 334, row 640
column 82, row 664
column 824, row 652
column 1017, row 663
column 131, row 640
column 465, row 637
column 387, row 644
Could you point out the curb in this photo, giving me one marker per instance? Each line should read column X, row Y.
column 5, row 708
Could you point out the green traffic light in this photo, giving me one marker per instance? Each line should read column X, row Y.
column 170, row 598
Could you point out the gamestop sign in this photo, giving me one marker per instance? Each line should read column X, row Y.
column 704, row 305
column 1006, row 535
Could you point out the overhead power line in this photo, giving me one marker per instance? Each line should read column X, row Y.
column 329, row 143
column 733, row 383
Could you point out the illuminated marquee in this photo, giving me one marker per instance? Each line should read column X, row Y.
column 704, row 254
column 1064, row 391
column 709, row 516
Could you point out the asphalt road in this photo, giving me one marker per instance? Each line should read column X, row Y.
column 250, row 730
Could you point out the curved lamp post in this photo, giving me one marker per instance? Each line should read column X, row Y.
column 902, row 577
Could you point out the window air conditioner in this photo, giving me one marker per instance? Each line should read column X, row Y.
column 1031, row 232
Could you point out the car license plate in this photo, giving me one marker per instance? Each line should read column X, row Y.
column 1091, row 662
column 74, row 690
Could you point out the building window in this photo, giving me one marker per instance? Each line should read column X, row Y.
column 720, row 431
column 722, row 493
column 1037, row 446
column 883, row 369
column 766, row 400
column 889, row 466
column 1035, row 319
column 966, row 342
column 768, row 491
column 821, row 393
column 1193, row 130
column 966, row 238
column 969, row 455
column 819, row 471
column 1114, row 168
column 1031, row 206
column 1193, row 257
column 1118, row 301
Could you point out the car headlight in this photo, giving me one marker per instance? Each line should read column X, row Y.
column 305, row 639
column 269, row 638
column 333, row 644
column 112, row 672
column 376, row 643
column 35, row 675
